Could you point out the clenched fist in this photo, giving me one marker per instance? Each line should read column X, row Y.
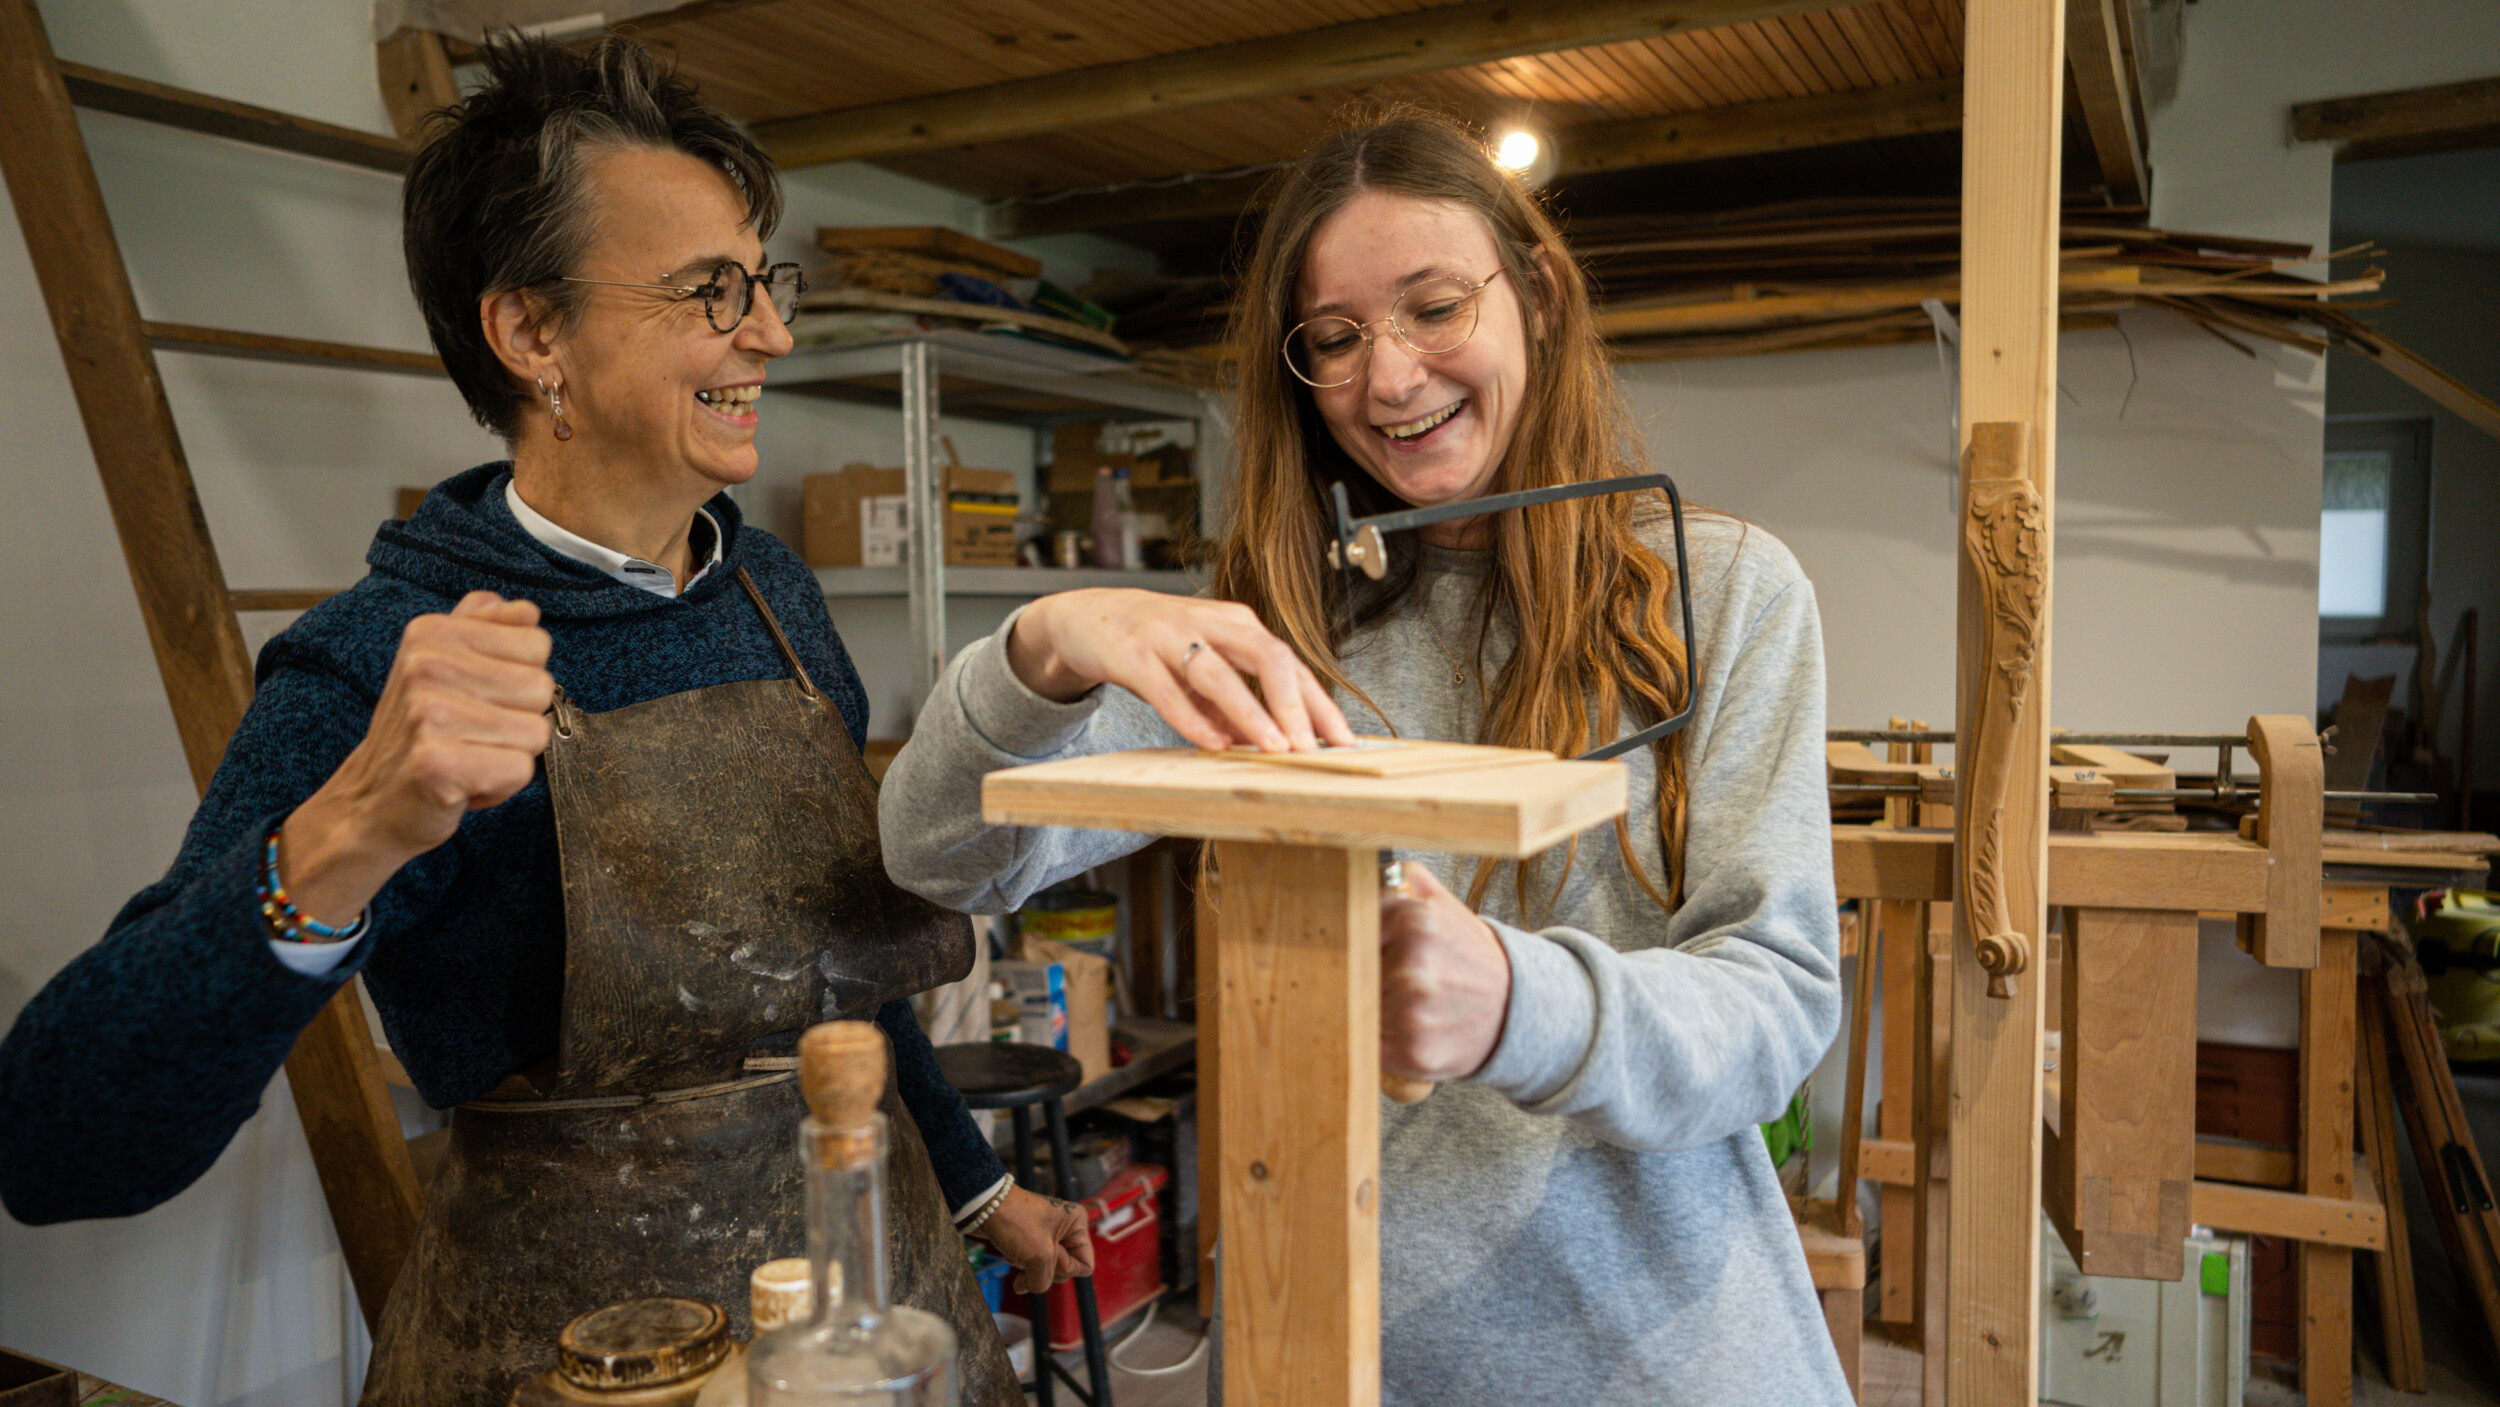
column 459, row 728
column 1444, row 983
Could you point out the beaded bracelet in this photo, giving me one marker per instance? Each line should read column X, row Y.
column 287, row 923
column 990, row 1209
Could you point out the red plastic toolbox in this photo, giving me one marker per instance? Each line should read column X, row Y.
column 1128, row 1262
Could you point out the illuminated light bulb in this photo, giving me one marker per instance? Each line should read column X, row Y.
column 1517, row 152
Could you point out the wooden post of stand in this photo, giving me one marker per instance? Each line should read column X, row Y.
column 1295, row 1032
column 2121, row 1172
column 2012, row 131
column 2329, row 1054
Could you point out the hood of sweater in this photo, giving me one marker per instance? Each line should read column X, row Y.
column 464, row 538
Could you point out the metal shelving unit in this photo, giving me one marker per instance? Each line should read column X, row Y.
column 982, row 377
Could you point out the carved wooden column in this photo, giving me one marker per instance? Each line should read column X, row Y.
column 2014, row 71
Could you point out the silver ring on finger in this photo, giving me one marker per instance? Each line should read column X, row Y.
column 1191, row 653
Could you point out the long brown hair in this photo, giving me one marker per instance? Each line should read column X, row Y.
column 1589, row 604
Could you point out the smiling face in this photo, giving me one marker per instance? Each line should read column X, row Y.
column 661, row 401
column 1432, row 429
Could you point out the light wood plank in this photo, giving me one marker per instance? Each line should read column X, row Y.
column 2118, row 1181
column 415, row 74
column 2113, row 870
column 2291, row 818
column 1504, row 811
column 2336, row 1225
column 1300, row 965
column 2105, row 90
column 2011, row 142
column 2391, row 1269
column 2329, row 1055
column 1342, row 55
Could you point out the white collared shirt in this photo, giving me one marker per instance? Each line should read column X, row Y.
column 320, row 959
column 631, row 570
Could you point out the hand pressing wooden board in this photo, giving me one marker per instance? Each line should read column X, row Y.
column 1511, row 811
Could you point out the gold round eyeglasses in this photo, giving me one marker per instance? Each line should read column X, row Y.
column 1432, row 318
column 729, row 290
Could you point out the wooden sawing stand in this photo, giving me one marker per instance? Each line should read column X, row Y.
column 1296, row 1022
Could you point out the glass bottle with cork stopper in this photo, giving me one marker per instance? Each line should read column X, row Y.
column 853, row 1347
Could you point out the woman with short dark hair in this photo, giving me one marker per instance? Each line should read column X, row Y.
column 597, row 961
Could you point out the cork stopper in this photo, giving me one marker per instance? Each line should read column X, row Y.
column 777, row 1292
column 842, row 1072
column 642, row 1343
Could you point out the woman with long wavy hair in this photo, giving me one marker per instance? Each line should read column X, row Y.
column 1587, row 1214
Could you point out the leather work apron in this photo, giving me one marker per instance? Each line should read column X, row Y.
column 723, row 889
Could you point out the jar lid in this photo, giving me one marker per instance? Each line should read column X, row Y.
column 643, row 1343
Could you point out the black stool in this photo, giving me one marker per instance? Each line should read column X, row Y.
column 1015, row 1077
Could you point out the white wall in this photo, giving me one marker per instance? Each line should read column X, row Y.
column 233, row 1293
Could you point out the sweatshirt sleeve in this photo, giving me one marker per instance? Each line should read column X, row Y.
column 965, row 1163
column 1681, row 1045
column 981, row 718
column 129, row 1072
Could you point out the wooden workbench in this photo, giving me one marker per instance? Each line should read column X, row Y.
column 2123, row 1171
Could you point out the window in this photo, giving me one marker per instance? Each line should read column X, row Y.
column 2373, row 527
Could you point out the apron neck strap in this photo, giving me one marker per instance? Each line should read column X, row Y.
column 807, row 686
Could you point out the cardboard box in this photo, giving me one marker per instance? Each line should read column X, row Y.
column 1087, row 983
column 856, row 517
column 1040, row 992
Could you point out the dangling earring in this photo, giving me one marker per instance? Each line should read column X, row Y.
column 555, row 407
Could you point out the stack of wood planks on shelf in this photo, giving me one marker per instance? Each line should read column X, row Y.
column 1851, row 272
column 897, row 279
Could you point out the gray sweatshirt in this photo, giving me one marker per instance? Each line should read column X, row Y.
column 1592, row 1218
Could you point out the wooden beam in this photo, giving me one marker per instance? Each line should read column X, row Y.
column 2342, row 1224
column 2110, row 870
column 1300, row 960
column 1347, row 55
column 2105, row 84
column 1890, row 1162
column 1788, row 124
column 2404, row 122
column 219, row 117
column 299, row 351
column 2450, row 394
column 366, row 1174
column 415, row 74
column 2291, row 817
column 2011, row 141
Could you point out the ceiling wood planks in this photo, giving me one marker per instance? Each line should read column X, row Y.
column 1933, row 105
column 1353, row 53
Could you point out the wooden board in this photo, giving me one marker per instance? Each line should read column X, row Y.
column 2014, row 71
column 219, row 117
column 2391, row 1269
column 2329, row 1057
column 2118, row 1183
column 933, row 241
column 1392, row 757
column 2291, row 817
column 2110, row 870
column 1300, row 1102
column 1502, row 811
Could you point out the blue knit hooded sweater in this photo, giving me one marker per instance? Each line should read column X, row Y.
column 127, row 1075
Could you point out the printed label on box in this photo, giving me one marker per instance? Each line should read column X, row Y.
column 882, row 530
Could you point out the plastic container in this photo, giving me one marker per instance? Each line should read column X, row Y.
column 1128, row 1261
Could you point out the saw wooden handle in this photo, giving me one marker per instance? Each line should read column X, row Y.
column 1404, row 1090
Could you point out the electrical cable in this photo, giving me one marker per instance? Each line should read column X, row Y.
column 1132, row 1336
